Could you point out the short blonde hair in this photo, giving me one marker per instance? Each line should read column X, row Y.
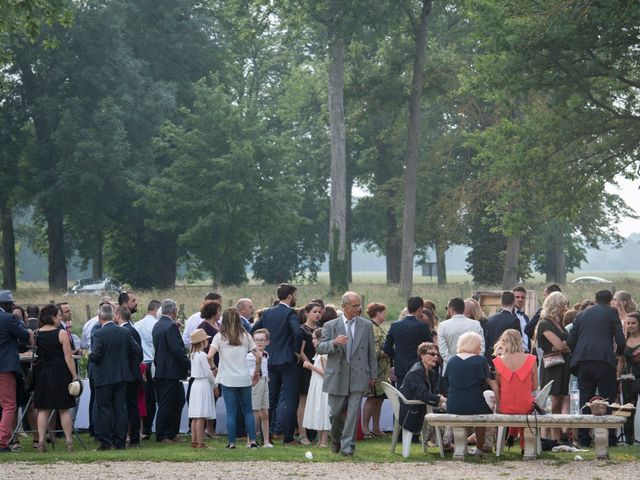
column 510, row 341
column 469, row 342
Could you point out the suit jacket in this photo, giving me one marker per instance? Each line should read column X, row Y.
column 416, row 387
column 342, row 377
column 402, row 341
column 496, row 325
column 593, row 333
column 134, row 363
column 530, row 329
column 112, row 348
column 450, row 331
column 285, row 335
column 170, row 358
column 12, row 330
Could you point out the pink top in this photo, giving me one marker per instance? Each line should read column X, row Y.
column 516, row 387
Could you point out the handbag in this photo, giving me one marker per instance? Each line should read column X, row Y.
column 552, row 360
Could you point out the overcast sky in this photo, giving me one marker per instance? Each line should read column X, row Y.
column 630, row 191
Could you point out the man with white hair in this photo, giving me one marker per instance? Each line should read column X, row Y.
column 351, row 370
column 172, row 366
column 244, row 306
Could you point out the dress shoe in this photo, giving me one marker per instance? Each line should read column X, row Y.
column 347, row 454
column 335, row 447
column 167, row 441
column 103, row 447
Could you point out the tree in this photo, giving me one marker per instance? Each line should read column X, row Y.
column 413, row 142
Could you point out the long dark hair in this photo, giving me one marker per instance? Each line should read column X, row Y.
column 231, row 328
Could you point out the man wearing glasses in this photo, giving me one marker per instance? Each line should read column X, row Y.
column 351, row 370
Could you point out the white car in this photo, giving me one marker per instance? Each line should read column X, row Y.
column 591, row 280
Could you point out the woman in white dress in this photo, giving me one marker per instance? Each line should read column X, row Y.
column 202, row 405
column 316, row 413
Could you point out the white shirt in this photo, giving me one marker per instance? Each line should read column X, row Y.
column 85, row 340
column 232, row 371
column 145, row 328
column 525, row 338
column 192, row 323
column 450, row 331
column 264, row 366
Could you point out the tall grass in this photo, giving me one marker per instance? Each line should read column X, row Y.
column 370, row 285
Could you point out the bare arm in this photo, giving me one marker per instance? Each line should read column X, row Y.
column 256, row 373
column 68, row 354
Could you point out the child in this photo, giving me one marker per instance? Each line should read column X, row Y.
column 201, row 401
column 260, row 391
column 316, row 413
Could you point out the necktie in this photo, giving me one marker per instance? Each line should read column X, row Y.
column 349, row 340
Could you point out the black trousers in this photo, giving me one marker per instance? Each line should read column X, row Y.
column 150, row 400
column 592, row 376
column 92, row 412
column 283, row 398
column 132, row 412
column 170, row 404
column 111, row 414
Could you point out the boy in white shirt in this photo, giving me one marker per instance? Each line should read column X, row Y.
column 260, row 391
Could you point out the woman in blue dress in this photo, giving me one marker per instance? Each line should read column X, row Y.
column 468, row 376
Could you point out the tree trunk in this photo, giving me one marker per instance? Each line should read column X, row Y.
column 393, row 248
column 556, row 258
column 510, row 272
column 441, row 264
column 56, row 254
column 97, row 260
column 349, row 243
column 413, row 142
column 9, row 280
column 338, row 259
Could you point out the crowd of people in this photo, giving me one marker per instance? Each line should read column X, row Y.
column 298, row 375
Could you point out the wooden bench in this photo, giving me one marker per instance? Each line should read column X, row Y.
column 531, row 424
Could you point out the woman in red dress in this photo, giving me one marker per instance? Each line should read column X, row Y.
column 516, row 375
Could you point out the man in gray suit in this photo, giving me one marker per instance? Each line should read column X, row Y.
column 350, row 372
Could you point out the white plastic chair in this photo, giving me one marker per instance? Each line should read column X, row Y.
column 395, row 397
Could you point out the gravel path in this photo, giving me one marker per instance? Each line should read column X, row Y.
column 288, row 470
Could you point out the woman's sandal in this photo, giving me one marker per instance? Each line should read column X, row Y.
column 370, row 435
column 41, row 447
column 70, row 446
column 322, row 445
column 304, row 441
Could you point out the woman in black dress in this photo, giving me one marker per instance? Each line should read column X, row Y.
column 551, row 337
column 311, row 315
column 629, row 372
column 53, row 371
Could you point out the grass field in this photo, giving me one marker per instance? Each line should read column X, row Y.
column 376, row 451
column 371, row 285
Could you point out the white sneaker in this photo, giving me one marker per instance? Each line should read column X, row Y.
column 267, row 445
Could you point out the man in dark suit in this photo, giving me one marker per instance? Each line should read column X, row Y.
column 403, row 339
column 123, row 319
column 505, row 319
column 12, row 330
column 530, row 329
column 172, row 366
column 286, row 341
column 592, row 338
column 111, row 350
column 520, row 296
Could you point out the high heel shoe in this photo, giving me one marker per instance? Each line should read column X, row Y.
column 70, row 446
column 41, row 447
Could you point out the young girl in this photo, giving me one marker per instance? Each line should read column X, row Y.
column 316, row 413
column 201, row 401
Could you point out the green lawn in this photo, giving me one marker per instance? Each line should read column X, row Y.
column 376, row 451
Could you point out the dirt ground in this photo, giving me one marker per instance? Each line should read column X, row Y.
column 586, row 470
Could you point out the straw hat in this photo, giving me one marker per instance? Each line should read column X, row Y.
column 199, row 335
column 75, row 388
